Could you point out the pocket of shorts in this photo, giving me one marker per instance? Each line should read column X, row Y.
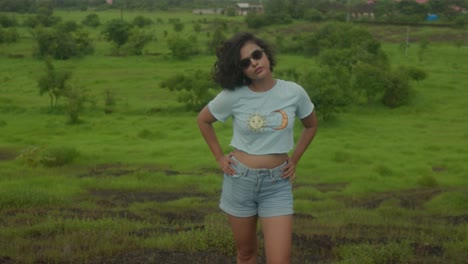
column 237, row 175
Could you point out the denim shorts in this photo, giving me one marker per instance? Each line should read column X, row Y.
column 261, row 192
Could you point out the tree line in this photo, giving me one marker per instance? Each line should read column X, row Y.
column 30, row 6
column 353, row 69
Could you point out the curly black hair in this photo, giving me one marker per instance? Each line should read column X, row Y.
column 226, row 70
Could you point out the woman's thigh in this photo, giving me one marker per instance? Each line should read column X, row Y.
column 277, row 234
column 244, row 230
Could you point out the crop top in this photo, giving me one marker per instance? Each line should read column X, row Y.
column 263, row 122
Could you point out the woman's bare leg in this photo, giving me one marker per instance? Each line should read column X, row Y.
column 244, row 230
column 277, row 233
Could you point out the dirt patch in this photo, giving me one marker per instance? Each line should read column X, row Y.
column 456, row 219
column 166, row 257
column 421, row 249
column 176, row 257
column 185, row 216
column 120, row 169
column 7, row 154
column 329, row 187
column 410, row 199
column 125, row 198
column 316, row 247
column 6, row 260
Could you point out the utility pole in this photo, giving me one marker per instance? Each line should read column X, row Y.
column 123, row 4
column 348, row 15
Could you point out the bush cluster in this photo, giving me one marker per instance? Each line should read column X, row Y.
column 48, row 156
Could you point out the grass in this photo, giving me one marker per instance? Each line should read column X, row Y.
column 377, row 185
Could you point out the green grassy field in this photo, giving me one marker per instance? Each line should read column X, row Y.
column 377, row 185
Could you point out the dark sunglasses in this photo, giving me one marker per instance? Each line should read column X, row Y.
column 256, row 55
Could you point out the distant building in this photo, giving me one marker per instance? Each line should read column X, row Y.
column 242, row 9
column 362, row 10
column 210, row 11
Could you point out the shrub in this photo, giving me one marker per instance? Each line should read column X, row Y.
column 428, row 181
column 398, row 91
column 8, row 21
column 58, row 156
column 313, row 15
column 49, row 157
column 369, row 80
column 141, row 21
column 109, row 101
column 8, row 35
column 182, row 48
column 414, row 73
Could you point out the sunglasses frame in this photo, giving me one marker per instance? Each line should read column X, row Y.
column 256, row 55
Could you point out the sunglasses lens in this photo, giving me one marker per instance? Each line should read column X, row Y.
column 244, row 63
column 256, row 55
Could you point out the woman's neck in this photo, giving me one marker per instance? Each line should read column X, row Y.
column 262, row 85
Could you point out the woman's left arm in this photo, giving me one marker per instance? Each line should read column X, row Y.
column 308, row 133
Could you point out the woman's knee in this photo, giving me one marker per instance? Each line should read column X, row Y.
column 247, row 253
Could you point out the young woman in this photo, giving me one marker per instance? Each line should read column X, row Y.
column 258, row 171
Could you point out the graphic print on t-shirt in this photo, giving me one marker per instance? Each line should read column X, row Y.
column 257, row 122
column 284, row 120
column 276, row 120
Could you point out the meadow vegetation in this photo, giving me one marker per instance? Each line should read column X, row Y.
column 132, row 181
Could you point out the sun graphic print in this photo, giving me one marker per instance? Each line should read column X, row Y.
column 257, row 122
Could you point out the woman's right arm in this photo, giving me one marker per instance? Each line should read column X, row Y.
column 205, row 122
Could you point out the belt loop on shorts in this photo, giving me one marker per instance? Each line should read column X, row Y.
column 245, row 171
column 272, row 174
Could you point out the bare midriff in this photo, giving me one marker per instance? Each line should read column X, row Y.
column 267, row 161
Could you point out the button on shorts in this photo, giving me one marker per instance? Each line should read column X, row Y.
column 259, row 192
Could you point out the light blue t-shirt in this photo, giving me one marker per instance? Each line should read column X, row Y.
column 263, row 122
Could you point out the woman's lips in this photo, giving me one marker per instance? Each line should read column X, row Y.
column 258, row 70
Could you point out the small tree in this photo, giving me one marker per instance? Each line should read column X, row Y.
column 197, row 27
column 75, row 99
column 117, row 31
column 179, row 27
column 217, row 38
column 328, row 88
column 91, row 20
column 62, row 42
column 136, row 42
column 53, row 82
column 423, row 47
column 254, row 20
column 8, row 21
column 194, row 89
